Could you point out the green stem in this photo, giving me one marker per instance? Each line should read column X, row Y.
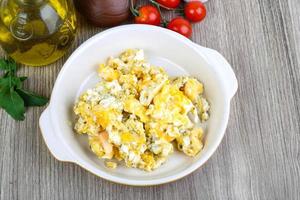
column 158, row 7
column 134, row 11
column 165, row 23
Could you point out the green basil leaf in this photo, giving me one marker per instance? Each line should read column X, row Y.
column 11, row 82
column 4, row 82
column 12, row 103
column 16, row 82
column 31, row 99
column 3, row 64
column 13, row 98
column 8, row 65
column 23, row 78
column 6, row 74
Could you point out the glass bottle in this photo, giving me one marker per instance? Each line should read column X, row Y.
column 36, row 32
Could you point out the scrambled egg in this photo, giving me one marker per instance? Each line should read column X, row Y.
column 136, row 113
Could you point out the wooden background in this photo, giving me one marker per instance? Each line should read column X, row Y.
column 259, row 155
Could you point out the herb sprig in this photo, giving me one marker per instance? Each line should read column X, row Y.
column 13, row 98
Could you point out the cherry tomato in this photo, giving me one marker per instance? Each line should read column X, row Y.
column 169, row 3
column 148, row 14
column 195, row 11
column 181, row 25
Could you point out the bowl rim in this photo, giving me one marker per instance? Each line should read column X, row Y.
column 97, row 171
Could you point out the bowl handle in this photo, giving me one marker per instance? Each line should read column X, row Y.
column 217, row 60
column 53, row 143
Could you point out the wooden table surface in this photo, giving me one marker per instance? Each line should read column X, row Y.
column 259, row 155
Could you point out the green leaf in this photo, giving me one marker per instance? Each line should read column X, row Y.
column 16, row 82
column 4, row 82
column 13, row 98
column 23, row 78
column 31, row 99
column 6, row 74
column 11, row 82
column 11, row 101
column 9, row 66
column 3, row 64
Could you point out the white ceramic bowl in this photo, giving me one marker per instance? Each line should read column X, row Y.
column 168, row 49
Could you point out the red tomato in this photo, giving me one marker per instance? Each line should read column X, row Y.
column 148, row 15
column 195, row 11
column 180, row 25
column 169, row 3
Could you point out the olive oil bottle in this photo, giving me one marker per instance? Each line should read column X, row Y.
column 36, row 32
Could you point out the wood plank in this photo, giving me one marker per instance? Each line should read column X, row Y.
column 259, row 155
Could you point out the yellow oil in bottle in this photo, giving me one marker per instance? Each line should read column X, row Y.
column 36, row 32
